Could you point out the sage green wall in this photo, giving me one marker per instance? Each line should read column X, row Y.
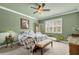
column 11, row 21
column 68, row 21
column 78, row 20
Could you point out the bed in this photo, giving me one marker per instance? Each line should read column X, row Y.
column 41, row 40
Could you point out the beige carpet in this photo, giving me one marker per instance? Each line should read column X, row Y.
column 57, row 49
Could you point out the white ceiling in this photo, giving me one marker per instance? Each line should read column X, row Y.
column 56, row 8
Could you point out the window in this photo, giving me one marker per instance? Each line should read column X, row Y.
column 53, row 26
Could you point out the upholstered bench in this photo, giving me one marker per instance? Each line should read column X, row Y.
column 44, row 43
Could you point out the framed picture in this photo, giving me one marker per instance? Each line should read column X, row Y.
column 24, row 23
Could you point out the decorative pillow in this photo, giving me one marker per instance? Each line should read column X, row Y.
column 40, row 37
column 31, row 34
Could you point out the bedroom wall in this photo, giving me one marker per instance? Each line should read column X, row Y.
column 68, row 20
column 78, row 20
column 68, row 23
column 11, row 21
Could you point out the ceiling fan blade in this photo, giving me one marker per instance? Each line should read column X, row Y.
column 43, row 4
column 35, row 12
column 38, row 5
column 33, row 7
column 46, row 9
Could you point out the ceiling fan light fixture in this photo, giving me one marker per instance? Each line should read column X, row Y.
column 40, row 11
column 40, row 8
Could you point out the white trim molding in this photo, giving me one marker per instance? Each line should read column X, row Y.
column 13, row 11
column 63, row 13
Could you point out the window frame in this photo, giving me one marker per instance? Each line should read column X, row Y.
column 53, row 24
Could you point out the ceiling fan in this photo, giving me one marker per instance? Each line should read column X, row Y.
column 40, row 8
